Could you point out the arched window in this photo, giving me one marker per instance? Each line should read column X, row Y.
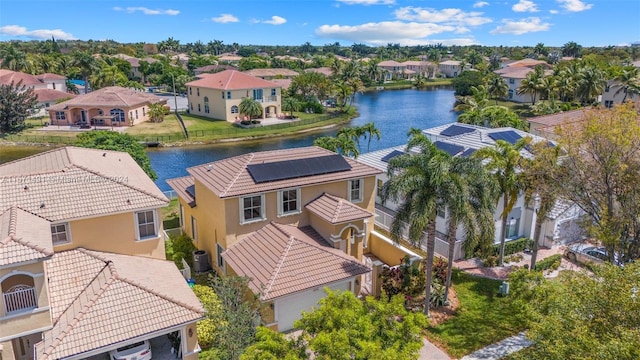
column 234, row 109
column 206, row 105
column 118, row 114
column 19, row 293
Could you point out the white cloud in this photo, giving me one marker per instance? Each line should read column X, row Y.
column 553, row 11
column 525, row 6
column 446, row 16
column 15, row 30
column 225, row 18
column 574, row 5
column 276, row 20
column 522, row 26
column 147, row 11
column 381, row 33
column 480, row 4
column 368, row 2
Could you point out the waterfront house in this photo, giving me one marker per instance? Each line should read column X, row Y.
column 109, row 106
column 294, row 221
column 82, row 269
column 450, row 68
column 218, row 95
column 48, row 87
column 393, row 70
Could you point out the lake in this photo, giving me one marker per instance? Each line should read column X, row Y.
column 393, row 112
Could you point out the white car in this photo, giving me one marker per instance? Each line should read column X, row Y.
column 589, row 254
column 136, row 351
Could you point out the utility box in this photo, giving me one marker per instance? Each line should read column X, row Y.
column 504, row 288
column 201, row 261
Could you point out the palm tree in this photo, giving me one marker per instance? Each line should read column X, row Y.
column 86, row 64
column 504, row 161
column 416, row 181
column 370, row 131
column 157, row 112
column 13, row 59
column 290, row 104
column 629, row 79
column 532, row 84
column 497, row 87
column 591, row 83
column 108, row 75
column 250, row 107
column 571, row 49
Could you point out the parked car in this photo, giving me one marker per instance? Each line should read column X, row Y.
column 589, row 254
column 136, row 351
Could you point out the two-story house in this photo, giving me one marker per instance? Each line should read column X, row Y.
column 393, row 70
column 82, row 268
column 219, row 95
column 294, row 221
column 48, row 87
column 459, row 139
column 450, row 68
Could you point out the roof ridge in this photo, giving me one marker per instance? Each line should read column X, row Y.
column 280, row 262
column 249, row 157
column 154, row 292
column 32, row 246
column 336, row 214
column 32, row 156
column 110, row 178
column 120, row 97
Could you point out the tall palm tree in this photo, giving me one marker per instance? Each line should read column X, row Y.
column 532, row 84
column 370, row 131
column 86, row 65
column 13, row 59
column 504, row 161
column 416, row 182
column 250, row 107
column 497, row 87
column 290, row 104
column 591, row 83
column 629, row 79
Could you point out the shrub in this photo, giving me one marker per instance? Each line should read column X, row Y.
column 437, row 295
column 490, row 261
column 550, row 263
column 209, row 326
column 314, row 106
column 440, row 269
column 512, row 247
column 513, row 258
column 178, row 247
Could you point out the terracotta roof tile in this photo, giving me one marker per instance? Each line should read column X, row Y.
column 389, row 63
column 322, row 70
column 52, row 95
column 50, row 76
column 112, row 96
column 180, row 186
column 8, row 76
column 231, row 80
column 99, row 299
column 559, row 118
column 23, row 237
column 283, row 259
column 230, row 177
column 336, row 210
column 271, row 72
column 71, row 182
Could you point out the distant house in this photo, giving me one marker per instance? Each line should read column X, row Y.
column 614, row 94
column 82, row 269
column 514, row 77
column 529, row 63
column 231, row 59
column 110, row 106
column 424, row 68
column 48, row 87
column 219, row 95
column 135, row 65
column 211, row 69
column 321, row 70
column 450, row 68
column 547, row 125
column 270, row 74
column 394, row 70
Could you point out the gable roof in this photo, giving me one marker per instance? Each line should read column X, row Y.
column 181, row 186
column 231, row 80
column 514, row 72
column 99, row 299
column 23, row 237
column 271, row 72
column 111, row 96
column 8, row 76
column 50, row 76
column 451, row 62
column 230, row 177
column 283, row 259
column 71, row 182
column 389, row 63
column 336, row 210
column 51, row 95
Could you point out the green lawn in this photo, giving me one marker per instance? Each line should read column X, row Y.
column 483, row 318
column 170, row 216
column 522, row 109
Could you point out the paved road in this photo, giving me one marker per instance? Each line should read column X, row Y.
column 500, row 349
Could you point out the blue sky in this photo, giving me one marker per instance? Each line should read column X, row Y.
column 294, row 22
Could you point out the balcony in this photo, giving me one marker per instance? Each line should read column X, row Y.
column 19, row 298
column 272, row 98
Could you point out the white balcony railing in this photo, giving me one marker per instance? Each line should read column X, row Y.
column 20, row 297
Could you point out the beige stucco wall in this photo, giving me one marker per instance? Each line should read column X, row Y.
column 133, row 115
column 113, row 233
column 385, row 251
column 26, row 323
column 191, row 341
column 220, row 108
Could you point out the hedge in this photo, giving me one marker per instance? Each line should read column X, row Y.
column 512, row 247
column 552, row 262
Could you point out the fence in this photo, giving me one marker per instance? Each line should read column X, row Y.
column 22, row 297
column 171, row 194
column 384, row 218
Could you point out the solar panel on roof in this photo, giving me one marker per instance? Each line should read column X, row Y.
column 455, row 130
column 509, row 136
column 191, row 190
column 290, row 169
column 451, row 149
column 468, row 152
column 391, row 155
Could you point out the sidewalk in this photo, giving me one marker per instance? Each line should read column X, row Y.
column 500, row 349
column 432, row 352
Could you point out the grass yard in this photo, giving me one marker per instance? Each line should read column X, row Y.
column 170, row 216
column 483, row 317
column 522, row 109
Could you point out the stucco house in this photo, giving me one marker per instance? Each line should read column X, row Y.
column 546, row 125
column 135, row 65
column 294, row 221
column 218, row 95
column 48, row 87
column 615, row 94
column 514, row 72
column 424, row 68
column 394, row 70
column 463, row 140
column 82, row 255
column 109, row 106
column 450, row 68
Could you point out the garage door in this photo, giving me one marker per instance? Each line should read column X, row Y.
column 290, row 308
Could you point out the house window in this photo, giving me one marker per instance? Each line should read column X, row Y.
column 60, row 115
column 234, row 109
column 190, row 91
column 206, row 104
column 608, row 103
column 510, row 94
column 198, row 91
column 289, row 202
column 146, row 224
column 199, row 109
column 513, row 225
column 191, row 106
column 273, row 92
column 117, row 114
column 251, row 208
column 380, row 186
column 257, row 94
column 512, row 81
column 194, row 229
column 46, row 105
column 219, row 259
column 228, row 94
column 355, row 190
column 136, row 114
column 54, row 85
column 144, row 111
column 60, row 234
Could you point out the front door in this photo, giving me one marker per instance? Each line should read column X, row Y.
column 84, row 116
column 23, row 346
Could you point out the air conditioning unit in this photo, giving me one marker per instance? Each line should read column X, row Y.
column 201, row 261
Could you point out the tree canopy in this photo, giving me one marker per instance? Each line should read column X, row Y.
column 16, row 100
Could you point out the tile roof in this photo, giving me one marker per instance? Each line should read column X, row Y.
column 50, row 76
column 336, row 210
column 231, row 80
column 322, row 70
column 71, row 182
column 214, row 68
column 559, row 118
column 283, row 259
column 8, row 76
column 531, row 63
column 52, row 95
column 111, row 96
column 389, row 63
column 180, row 186
column 271, row 72
column 230, row 177
column 23, row 237
column 514, row 72
column 283, row 83
column 99, row 299
column 450, row 62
